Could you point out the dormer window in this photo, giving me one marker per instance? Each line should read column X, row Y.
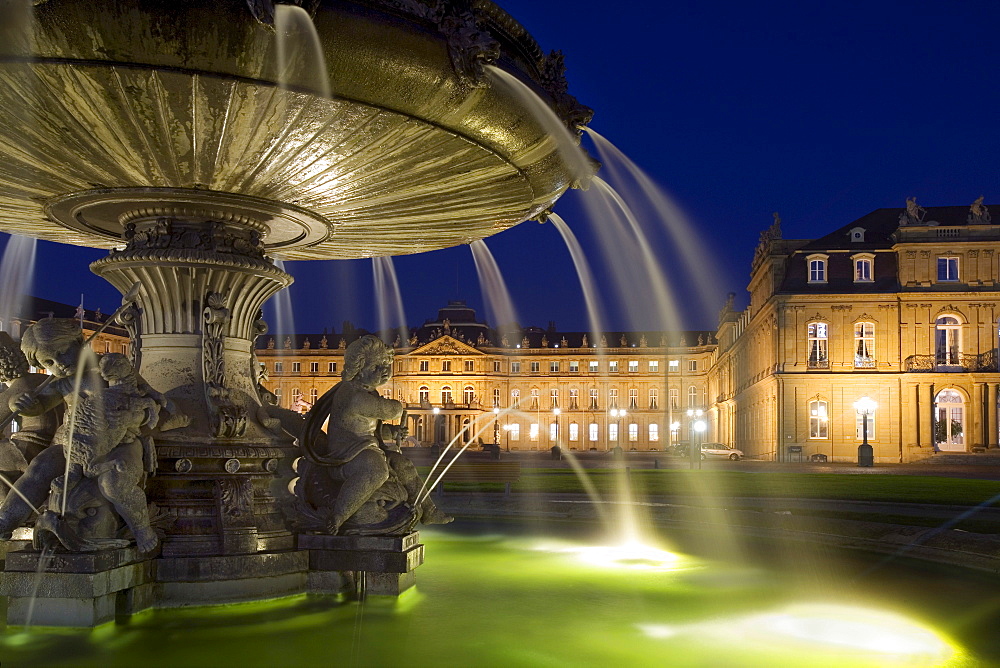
column 863, row 267
column 857, row 235
column 817, row 268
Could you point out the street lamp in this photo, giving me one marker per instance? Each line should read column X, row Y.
column 496, row 429
column 675, row 428
column 697, row 426
column 507, row 428
column 437, row 424
column 866, row 454
column 620, row 414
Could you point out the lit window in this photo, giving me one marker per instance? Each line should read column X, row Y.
column 574, row 399
column 654, row 395
column 593, row 399
column 469, row 395
column 817, row 339
column 674, row 365
column 593, row 431
column 654, row 366
column 279, row 367
column 633, row 398
column 574, row 432
column 554, row 398
column 534, row 398
column 425, row 365
column 864, row 345
column 314, row 367
column 424, row 395
column 817, row 268
column 533, row 431
column 515, row 432
column 553, row 431
column 818, row 421
column 574, row 367
column 296, row 367
column 554, row 367
column 692, row 396
column 654, row 433
column 470, row 365
column 313, row 395
column 692, row 365
column 496, row 397
column 613, row 366
column 863, row 268
column 296, row 395
column 515, row 397
column 613, row 397
column 535, row 367
column 633, row 366
column 613, row 432
column 445, row 395
column 446, row 365
column 592, row 367
column 947, row 268
column 859, row 426
column 675, row 398
column 515, row 367
column 633, row 432
column 947, row 341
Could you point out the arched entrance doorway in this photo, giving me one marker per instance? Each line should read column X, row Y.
column 949, row 422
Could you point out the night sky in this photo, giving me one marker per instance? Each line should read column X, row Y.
column 820, row 111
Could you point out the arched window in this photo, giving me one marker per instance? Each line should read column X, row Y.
column 817, row 268
column 593, row 432
column 863, row 263
column 574, row 399
column 675, row 398
column 496, row 397
column 692, row 396
column 949, row 422
column 534, row 399
column 313, row 395
column 818, row 349
column 553, row 431
column 654, row 432
column 277, row 395
column 633, row 398
column 593, row 399
column 818, row 420
column 613, row 432
column 296, row 395
column 633, row 432
column 948, row 341
column 613, row 397
column 533, row 431
column 468, row 394
column 515, row 397
column 574, row 432
column 653, row 396
column 864, row 345
column 446, row 395
column 424, row 395
column 515, row 431
column 554, row 398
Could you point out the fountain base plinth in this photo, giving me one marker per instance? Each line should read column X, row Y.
column 388, row 562
column 230, row 578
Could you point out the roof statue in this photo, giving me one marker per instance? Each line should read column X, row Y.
column 914, row 214
column 585, row 343
column 978, row 213
column 772, row 233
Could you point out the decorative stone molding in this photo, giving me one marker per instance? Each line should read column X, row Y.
column 842, row 307
column 230, row 421
column 129, row 319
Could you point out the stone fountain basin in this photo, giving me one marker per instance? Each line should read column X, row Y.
column 104, row 100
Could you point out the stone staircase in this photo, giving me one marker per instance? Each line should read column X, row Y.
column 987, row 458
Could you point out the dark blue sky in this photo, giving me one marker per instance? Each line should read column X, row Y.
column 821, row 111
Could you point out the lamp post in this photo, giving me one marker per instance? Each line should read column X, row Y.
column 507, row 429
column 675, row 427
column 697, row 426
column 866, row 454
column 437, row 424
column 619, row 414
column 496, row 427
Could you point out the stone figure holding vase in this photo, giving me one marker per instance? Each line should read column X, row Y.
column 354, row 479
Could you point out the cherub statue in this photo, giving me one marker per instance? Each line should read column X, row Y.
column 978, row 213
column 34, row 433
column 354, row 478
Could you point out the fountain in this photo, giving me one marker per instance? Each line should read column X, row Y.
column 199, row 149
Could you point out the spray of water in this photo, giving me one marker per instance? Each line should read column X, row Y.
column 425, row 489
column 282, row 315
column 389, row 299
column 591, row 296
column 17, row 272
column 494, row 288
column 300, row 54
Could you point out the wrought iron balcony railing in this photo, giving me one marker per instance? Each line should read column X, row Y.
column 819, row 364
column 987, row 361
column 861, row 362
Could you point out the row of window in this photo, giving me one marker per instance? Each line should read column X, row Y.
column 469, row 396
column 513, row 431
column 947, row 342
column 515, row 367
column 819, row 421
column 279, row 367
column 947, row 268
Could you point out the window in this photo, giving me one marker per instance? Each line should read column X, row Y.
column 277, row 395
column 653, row 396
column 593, row 432
column 675, row 398
column 947, row 341
column 515, row 367
column 535, row 367
column 633, row 398
column 574, row 432
column 553, row 431
column 279, row 367
column 654, row 366
column 818, row 335
column 515, row 432
column 468, row 395
column 425, row 365
column 424, row 395
column 817, row 419
column 692, row 396
column 947, row 268
column 613, row 432
column 613, row 366
column 554, row 367
column 859, row 426
column 592, row 367
column 332, row 367
column 817, row 268
column 574, row 367
column 515, row 397
column 314, row 367
column 633, row 366
column 296, row 367
column 496, row 397
column 446, row 365
column 654, row 432
column 574, row 399
column 296, row 395
column 633, row 432
column 313, row 395
column 445, row 395
column 470, row 365
column 593, row 399
column 863, row 268
column 534, row 398
column 554, row 398
column 864, row 345
column 692, row 365
column 613, row 397
column 533, row 431
column 496, row 366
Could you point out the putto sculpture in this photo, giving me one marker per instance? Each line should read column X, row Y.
column 353, row 478
column 34, row 433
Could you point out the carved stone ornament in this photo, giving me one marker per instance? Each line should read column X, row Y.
column 913, row 214
column 323, row 343
column 229, row 420
column 978, row 213
column 129, row 319
column 568, row 108
column 216, row 238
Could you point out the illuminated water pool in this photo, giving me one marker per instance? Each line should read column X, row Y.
column 506, row 600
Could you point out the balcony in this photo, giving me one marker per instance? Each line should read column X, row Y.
column 819, row 364
column 951, row 362
column 862, row 362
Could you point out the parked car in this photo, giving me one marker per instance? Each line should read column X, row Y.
column 720, row 451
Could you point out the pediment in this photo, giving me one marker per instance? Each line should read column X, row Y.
column 446, row 345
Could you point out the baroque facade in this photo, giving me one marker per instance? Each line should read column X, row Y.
column 900, row 306
column 524, row 390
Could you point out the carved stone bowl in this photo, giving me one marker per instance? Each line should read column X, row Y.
column 108, row 103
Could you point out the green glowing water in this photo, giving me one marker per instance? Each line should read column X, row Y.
column 503, row 600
